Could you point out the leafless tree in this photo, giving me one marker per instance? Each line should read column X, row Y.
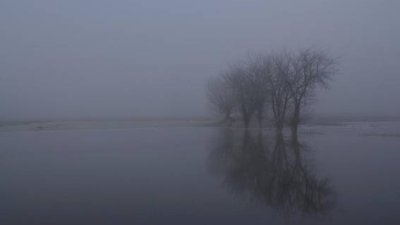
column 309, row 69
column 238, row 79
column 259, row 71
column 282, row 82
column 248, row 81
column 222, row 98
column 278, row 89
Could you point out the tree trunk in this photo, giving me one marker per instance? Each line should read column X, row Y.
column 260, row 118
column 228, row 119
column 294, row 132
column 295, row 120
column 279, row 126
column 246, row 121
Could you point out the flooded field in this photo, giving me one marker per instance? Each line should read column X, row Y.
column 342, row 174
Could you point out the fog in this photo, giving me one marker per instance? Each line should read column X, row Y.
column 103, row 59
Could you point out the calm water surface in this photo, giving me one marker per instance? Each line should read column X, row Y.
column 330, row 175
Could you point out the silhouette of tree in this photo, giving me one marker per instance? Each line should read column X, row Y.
column 275, row 175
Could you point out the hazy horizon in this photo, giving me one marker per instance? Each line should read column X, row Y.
column 130, row 59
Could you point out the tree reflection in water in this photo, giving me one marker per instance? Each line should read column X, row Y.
column 274, row 173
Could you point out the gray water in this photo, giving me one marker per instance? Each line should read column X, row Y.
column 200, row 175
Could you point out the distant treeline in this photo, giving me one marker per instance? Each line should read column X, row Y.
column 279, row 84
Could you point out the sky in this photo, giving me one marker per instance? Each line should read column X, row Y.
column 121, row 58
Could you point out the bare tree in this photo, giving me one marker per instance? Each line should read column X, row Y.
column 309, row 69
column 258, row 72
column 284, row 81
column 279, row 65
column 249, row 85
column 240, row 84
column 222, row 98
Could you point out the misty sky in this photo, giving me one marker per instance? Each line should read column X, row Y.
column 97, row 58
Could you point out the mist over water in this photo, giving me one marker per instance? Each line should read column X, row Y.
column 101, row 59
column 199, row 112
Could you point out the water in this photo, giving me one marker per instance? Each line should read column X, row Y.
column 171, row 175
